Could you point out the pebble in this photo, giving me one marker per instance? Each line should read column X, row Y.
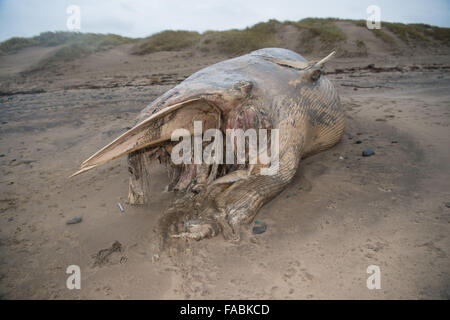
column 447, row 204
column 368, row 153
column 358, row 141
column 260, row 227
column 290, row 195
column 74, row 220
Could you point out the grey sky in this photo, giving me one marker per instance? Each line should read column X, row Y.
column 139, row 18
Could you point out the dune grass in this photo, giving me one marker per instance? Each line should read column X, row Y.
column 15, row 44
column 385, row 37
column 266, row 34
column 51, row 39
column 405, row 32
column 167, row 41
column 409, row 32
column 323, row 28
column 232, row 41
column 436, row 33
column 261, row 35
column 73, row 45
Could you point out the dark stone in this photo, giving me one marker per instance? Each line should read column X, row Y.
column 358, row 141
column 368, row 153
column 260, row 227
column 74, row 220
column 290, row 195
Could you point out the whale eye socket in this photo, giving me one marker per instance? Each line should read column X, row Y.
column 315, row 74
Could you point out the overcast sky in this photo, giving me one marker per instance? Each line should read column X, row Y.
column 139, row 18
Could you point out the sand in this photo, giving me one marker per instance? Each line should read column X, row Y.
column 342, row 212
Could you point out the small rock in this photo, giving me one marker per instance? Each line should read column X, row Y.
column 10, row 219
column 290, row 195
column 260, row 227
column 368, row 153
column 358, row 142
column 447, row 204
column 74, row 220
column 394, row 141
